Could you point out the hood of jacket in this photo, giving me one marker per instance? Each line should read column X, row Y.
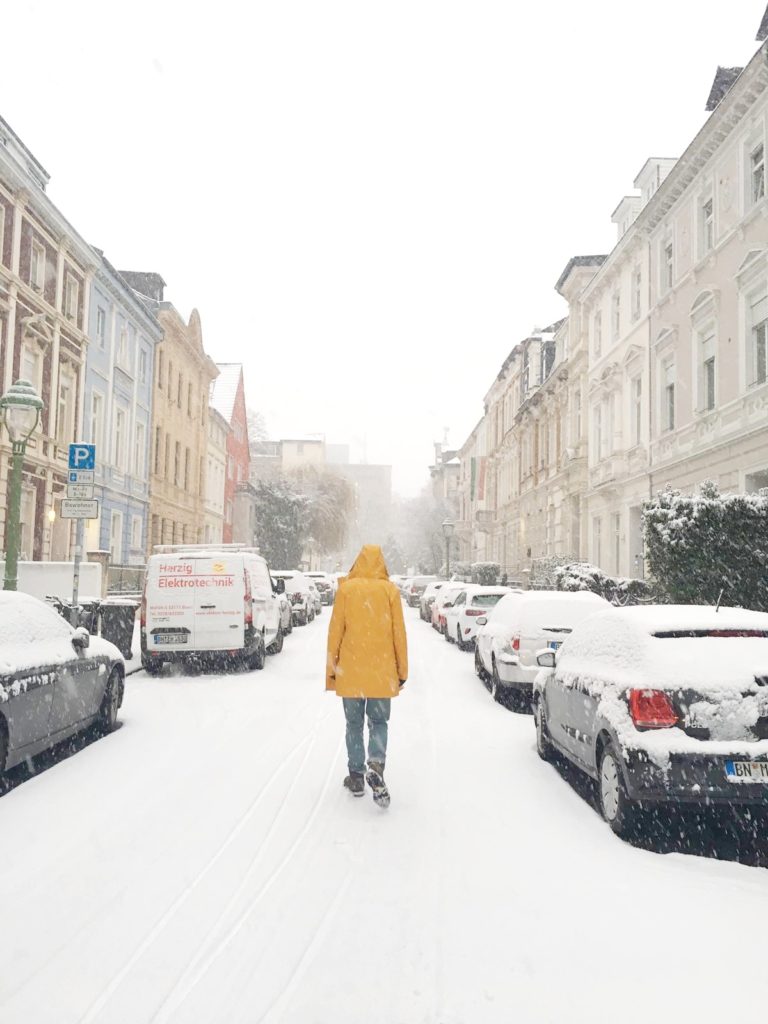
column 369, row 564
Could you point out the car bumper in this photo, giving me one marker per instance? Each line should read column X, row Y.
column 690, row 778
column 513, row 674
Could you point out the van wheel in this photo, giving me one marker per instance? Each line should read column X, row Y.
column 152, row 666
column 277, row 644
column 110, row 704
column 257, row 659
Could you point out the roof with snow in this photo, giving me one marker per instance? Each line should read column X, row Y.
column 724, row 79
column 762, row 32
column 224, row 389
column 579, row 261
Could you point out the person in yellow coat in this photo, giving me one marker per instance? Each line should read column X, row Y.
column 367, row 665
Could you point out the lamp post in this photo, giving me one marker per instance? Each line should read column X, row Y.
column 20, row 407
column 448, row 527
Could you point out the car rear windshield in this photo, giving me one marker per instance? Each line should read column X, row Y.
column 486, row 600
column 676, row 634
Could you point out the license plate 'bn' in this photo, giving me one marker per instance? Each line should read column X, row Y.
column 746, row 771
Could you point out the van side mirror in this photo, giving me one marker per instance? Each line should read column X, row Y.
column 279, row 586
column 546, row 659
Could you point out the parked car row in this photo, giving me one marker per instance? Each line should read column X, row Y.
column 656, row 704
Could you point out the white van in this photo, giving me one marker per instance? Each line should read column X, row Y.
column 209, row 603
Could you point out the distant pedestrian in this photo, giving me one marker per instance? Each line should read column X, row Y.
column 367, row 665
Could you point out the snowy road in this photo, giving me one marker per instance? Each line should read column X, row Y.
column 203, row 864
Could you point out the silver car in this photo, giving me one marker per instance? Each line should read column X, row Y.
column 55, row 681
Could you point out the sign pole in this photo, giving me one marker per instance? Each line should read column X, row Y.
column 79, row 540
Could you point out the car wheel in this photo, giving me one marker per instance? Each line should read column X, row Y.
column 497, row 689
column 277, row 644
column 480, row 670
column 621, row 813
column 543, row 744
column 447, row 636
column 459, row 642
column 110, row 703
column 289, row 626
column 256, row 660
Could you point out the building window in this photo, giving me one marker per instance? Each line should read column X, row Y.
column 71, row 298
column 189, row 399
column 160, row 369
column 32, row 366
column 597, row 540
column 707, row 227
column 101, row 327
column 177, row 465
column 97, row 421
column 597, row 432
column 668, row 267
column 37, row 267
column 138, row 450
column 598, row 334
column 28, row 512
column 707, row 370
column 637, row 409
column 179, row 389
column 616, row 315
column 143, row 366
column 757, row 173
column 2, row 231
column 65, row 411
column 170, row 375
column 122, row 348
column 120, row 439
column 158, row 445
column 668, row 395
column 186, row 469
column 116, row 538
column 616, row 542
column 637, row 293
column 137, row 530
column 167, row 456
column 757, row 353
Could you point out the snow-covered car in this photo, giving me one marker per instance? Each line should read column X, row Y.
column 316, row 599
column 286, row 613
column 299, row 593
column 523, row 623
column 427, row 598
column 415, row 587
column 660, row 703
column 325, row 586
column 55, row 681
column 446, row 595
column 470, row 605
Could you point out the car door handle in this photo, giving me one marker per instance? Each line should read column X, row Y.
column 207, row 605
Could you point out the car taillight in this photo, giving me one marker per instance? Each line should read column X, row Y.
column 515, row 645
column 474, row 612
column 652, row 709
column 248, row 602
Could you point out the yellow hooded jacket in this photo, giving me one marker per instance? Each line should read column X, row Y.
column 367, row 646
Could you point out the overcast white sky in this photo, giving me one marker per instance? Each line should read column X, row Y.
column 368, row 202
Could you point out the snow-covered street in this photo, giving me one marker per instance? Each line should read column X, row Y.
column 203, row 864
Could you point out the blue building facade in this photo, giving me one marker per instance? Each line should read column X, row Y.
column 117, row 414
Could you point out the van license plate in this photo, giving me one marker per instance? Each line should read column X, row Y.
column 746, row 771
column 171, row 638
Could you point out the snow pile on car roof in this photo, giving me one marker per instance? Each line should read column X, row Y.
column 30, row 633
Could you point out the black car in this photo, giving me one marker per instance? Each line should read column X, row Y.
column 54, row 680
column 660, row 704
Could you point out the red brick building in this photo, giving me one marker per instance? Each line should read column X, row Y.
column 228, row 399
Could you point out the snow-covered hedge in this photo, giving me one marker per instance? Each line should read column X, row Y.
column 618, row 589
column 485, row 573
column 701, row 545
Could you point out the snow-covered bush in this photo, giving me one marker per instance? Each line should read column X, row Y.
column 701, row 545
column 618, row 589
column 485, row 573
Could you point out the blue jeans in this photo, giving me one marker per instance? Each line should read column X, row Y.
column 355, row 709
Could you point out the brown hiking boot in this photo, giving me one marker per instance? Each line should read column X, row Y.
column 375, row 779
column 355, row 783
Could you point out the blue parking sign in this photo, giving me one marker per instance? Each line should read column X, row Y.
column 82, row 456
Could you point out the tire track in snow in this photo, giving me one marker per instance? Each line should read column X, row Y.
column 180, row 992
column 104, row 997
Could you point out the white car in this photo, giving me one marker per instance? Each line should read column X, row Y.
column 326, row 585
column 208, row 605
column 427, row 598
column 299, row 592
column 660, row 704
column 470, row 605
column 520, row 626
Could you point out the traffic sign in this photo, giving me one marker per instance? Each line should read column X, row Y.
column 81, row 476
column 80, row 491
column 82, row 456
column 74, row 508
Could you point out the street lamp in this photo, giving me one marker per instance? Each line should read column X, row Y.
column 20, row 407
column 448, row 527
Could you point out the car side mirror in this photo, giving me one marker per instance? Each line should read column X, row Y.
column 482, row 621
column 279, row 586
column 81, row 639
column 546, row 659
